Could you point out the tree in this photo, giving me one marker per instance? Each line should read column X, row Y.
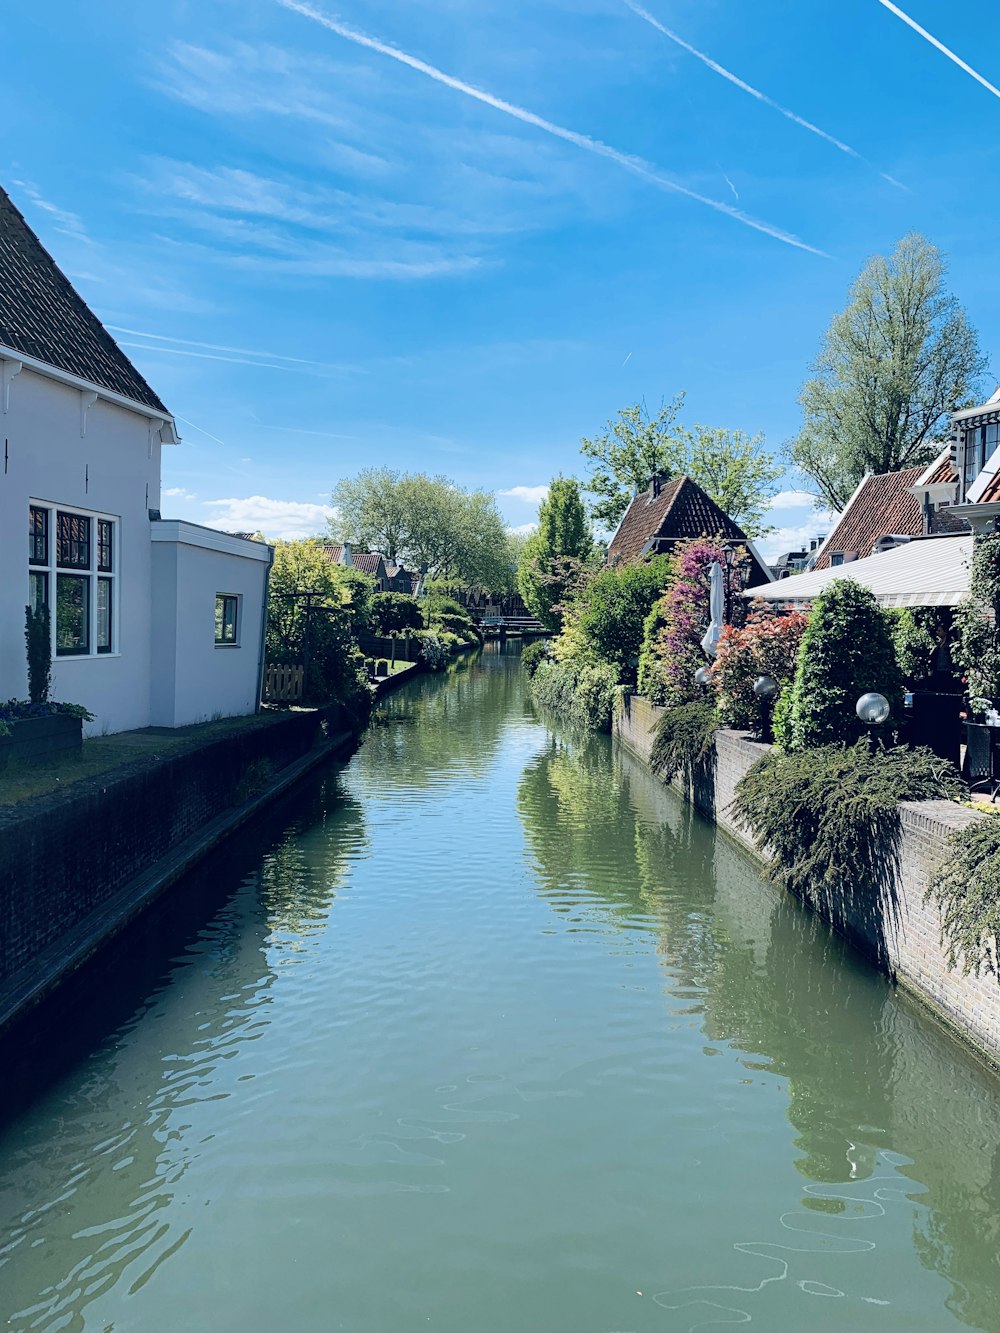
column 552, row 558
column 369, row 510
column 734, row 468
column 632, row 448
column 846, row 651
column 426, row 522
column 316, row 610
column 736, row 471
column 894, row 364
column 393, row 612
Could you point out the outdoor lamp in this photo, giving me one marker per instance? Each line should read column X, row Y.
column 703, row 675
column 766, row 689
column 873, row 709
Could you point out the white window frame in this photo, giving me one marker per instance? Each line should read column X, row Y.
column 51, row 569
column 238, row 599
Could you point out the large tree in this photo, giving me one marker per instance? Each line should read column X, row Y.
column 894, row 363
column 553, row 558
column 735, row 469
column 426, row 522
column 632, row 447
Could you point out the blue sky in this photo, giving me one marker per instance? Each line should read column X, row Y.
column 462, row 257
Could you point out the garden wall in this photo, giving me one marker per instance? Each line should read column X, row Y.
column 74, row 864
column 905, row 938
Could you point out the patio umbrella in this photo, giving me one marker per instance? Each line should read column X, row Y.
column 717, row 607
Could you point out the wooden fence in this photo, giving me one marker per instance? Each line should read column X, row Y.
column 283, row 683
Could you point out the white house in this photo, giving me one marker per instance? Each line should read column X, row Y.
column 153, row 622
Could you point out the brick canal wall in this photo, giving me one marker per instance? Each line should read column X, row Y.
column 903, row 934
column 65, row 857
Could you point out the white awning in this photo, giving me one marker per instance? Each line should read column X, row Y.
column 933, row 571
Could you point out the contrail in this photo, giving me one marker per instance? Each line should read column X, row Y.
column 221, row 347
column 894, row 9
column 216, row 356
column 636, row 165
column 754, row 92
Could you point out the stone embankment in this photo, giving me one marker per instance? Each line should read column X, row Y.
column 78, row 865
column 904, row 933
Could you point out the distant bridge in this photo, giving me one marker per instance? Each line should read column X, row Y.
column 502, row 625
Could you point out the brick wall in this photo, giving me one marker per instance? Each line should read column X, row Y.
column 65, row 855
column 906, row 937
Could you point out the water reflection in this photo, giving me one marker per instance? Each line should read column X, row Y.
column 102, row 1206
column 872, row 1085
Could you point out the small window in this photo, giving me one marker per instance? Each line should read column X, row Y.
column 38, row 590
column 104, row 527
column 836, row 558
column 104, row 615
column 72, row 541
column 38, row 536
column 226, row 612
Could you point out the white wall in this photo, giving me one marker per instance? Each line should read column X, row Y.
column 195, row 679
column 113, row 469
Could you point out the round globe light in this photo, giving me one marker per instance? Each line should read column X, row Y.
column 703, row 675
column 765, row 687
column 873, row 709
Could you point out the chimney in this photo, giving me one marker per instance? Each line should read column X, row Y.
column 346, row 556
column 655, row 485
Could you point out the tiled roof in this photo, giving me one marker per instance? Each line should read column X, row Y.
column 42, row 316
column 944, row 471
column 681, row 510
column 882, row 504
column 333, row 551
column 991, row 491
column 369, row 562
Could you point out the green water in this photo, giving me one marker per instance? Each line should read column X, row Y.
column 485, row 1032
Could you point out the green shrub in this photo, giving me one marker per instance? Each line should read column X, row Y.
column 977, row 620
column 394, row 612
column 967, row 890
column 828, row 819
column 369, row 666
column 846, row 651
column 382, row 667
column 610, row 612
column 254, row 780
column 914, row 637
column 683, row 740
column 533, row 655
column 582, row 694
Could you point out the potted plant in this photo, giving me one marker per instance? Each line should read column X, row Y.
column 37, row 727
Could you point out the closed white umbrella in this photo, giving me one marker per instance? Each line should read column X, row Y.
column 717, row 608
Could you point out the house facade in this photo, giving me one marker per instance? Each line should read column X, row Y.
column 151, row 622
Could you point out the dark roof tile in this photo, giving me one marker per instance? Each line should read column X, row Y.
column 44, row 317
column 681, row 510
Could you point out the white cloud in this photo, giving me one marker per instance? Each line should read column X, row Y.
column 791, row 500
column 523, row 529
column 795, row 537
column 529, row 495
column 285, row 519
column 178, row 493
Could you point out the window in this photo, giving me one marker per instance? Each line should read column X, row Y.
column 75, row 575
column 836, row 558
column 226, row 619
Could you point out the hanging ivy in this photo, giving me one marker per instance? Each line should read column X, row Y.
column 967, row 891
column 683, row 740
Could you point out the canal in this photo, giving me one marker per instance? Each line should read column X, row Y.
column 485, row 1032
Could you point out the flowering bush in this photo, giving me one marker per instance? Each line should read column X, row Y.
column 977, row 620
column 434, row 654
column 767, row 645
column 671, row 650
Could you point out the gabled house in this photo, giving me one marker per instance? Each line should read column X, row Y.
column 152, row 621
column 668, row 512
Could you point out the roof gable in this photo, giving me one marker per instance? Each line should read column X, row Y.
column 43, row 317
column 681, row 510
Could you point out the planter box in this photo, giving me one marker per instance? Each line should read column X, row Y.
column 34, row 738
